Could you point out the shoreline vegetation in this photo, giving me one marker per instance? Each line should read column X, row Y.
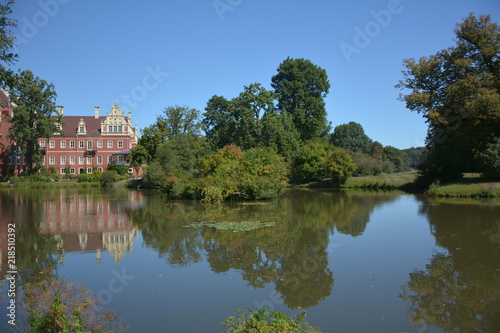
column 470, row 186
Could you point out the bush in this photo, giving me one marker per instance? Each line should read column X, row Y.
column 121, row 170
column 107, row 178
column 265, row 321
column 84, row 178
column 155, row 176
column 318, row 161
column 54, row 305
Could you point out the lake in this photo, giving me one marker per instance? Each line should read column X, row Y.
column 356, row 261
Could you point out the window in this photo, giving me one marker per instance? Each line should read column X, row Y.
column 42, row 144
column 110, row 128
column 120, row 159
column 52, row 144
column 81, row 144
column 82, row 129
column 72, row 170
column 110, row 159
column 89, row 145
column 89, row 170
column 119, row 128
column 72, row 160
column 115, row 128
column 110, row 144
column 52, row 160
column 43, row 160
column 99, row 144
column 120, row 144
column 99, row 159
column 99, row 169
column 72, row 144
column 81, row 160
column 63, row 160
column 89, row 159
column 63, row 144
column 63, row 171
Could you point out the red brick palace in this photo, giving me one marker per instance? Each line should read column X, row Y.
column 87, row 142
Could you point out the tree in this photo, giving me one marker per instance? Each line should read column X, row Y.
column 317, row 161
column 302, row 87
column 138, row 156
column 457, row 90
column 7, row 38
column 34, row 115
column 179, row 122
column 352, row 137
column 280, row 134
column 176, row 122
column 239, row 121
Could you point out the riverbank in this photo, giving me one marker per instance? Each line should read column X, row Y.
column 471, row 186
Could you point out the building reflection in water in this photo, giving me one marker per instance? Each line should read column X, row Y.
column 77, row 222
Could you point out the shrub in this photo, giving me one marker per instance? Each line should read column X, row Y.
column 265, row 321
column 54, row 305
column 120, row 169
column 107, row 178
column 84, row 178
column 155, row 176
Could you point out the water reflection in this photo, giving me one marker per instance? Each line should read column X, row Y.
column 459, row 290
column 51, row 223
column 293, row 255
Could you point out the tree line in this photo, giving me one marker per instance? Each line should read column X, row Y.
column 286, row 128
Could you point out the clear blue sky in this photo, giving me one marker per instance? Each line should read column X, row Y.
column 182, row 52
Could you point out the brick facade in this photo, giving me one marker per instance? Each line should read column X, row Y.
column 87, row 142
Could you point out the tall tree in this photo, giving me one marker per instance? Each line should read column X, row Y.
column 302, row 87
column 176, row 123
column 457, row 91
column 34, row 115
column 352, row 137
column 238, row 121
column 7, row 38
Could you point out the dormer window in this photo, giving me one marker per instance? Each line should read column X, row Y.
column 82, row 129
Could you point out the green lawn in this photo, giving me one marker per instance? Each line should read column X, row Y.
column 393, row 180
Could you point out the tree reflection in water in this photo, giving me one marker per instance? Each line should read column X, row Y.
column 293, row 255
column 459, row 290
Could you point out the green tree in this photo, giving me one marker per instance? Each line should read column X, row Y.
column 180, row 155
column 138, row 156
column 352, row 137
column 302, row 87
column 176, row 122
column 7, row 38
column 457, row 90
column 398, row 157
column 238, row 121
column 317, row 161
column 280, row 134
column 34, row 115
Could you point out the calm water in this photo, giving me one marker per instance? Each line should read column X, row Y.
column 356, row 261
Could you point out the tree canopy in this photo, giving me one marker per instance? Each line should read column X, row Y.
column 34, row 115
column 457, row 91
column 301, row 87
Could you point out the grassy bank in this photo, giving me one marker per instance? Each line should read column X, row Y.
column 382, row 181
column 461, row 190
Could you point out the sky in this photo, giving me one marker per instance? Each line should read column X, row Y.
column 148, row 55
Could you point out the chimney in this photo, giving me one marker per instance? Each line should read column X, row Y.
column 96, row 112
column 61, row 110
